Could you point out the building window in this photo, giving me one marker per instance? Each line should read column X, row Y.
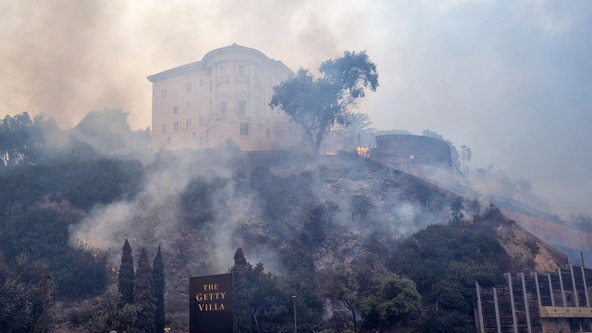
column 201, row 120
column 267, row 132
column 223, row 108
column 201, row 83
column 292, row 131
column 188, row 87
column 222, row 70
column 242, row 108
column 176, row 126
column 163, row 94
column 244, row 128
column 241, row 70
column 175, row 109
column 188, row 123
column 163, row 128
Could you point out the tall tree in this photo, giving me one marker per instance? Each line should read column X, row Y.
column 242, row 316
column 126, row 275
column 158, row 279
column 259, row 303
column 465, row 155
column 15, row 140
column 348, row 284
column 317, row 104
column 144, row 294
column 355, row 133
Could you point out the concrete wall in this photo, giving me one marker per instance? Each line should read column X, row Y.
column 551, row 232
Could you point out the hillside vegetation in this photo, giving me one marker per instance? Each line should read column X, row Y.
column 362, row 246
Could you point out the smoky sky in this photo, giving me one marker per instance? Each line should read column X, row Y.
column 510, row 79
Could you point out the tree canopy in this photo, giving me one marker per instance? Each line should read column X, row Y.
column 395, row 300
column 445, row 261
column 317, row 104
column 260, row 305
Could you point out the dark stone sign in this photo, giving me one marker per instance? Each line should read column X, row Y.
column 210, row 304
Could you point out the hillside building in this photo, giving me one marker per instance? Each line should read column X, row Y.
column 221, row 100
column 420, row 156
column 224, row 99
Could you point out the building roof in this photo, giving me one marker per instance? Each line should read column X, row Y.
column 202, row 64
column 176, row 71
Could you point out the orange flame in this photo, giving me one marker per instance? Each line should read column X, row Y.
column 114, row 270
column 364, row 152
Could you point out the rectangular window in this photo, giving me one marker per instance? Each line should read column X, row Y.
column 201, row 83
column 223, row 108
column 242, row 108
column 292, row 131
column 201, row 120
column 163, row 94
column 175, row 109
column 222, row 70
column 163, row 128
column 244, row 128
column 267, row 132
column 242, row 71
column 176, row 126
column 188, row 123
column 188, row 87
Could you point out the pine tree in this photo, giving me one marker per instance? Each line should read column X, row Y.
column 144, row 295
column 158, row 279
column 126, row 275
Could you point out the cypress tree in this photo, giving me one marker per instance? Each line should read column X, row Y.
column 144, row 294
column 242, row 312
column 158, row 279
column 126, row 275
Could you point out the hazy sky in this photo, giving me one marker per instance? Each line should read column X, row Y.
column 510, row 79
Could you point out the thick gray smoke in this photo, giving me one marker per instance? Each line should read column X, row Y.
column 239, row 215
column 517, row 93
column 61, row 60
column 154, row 216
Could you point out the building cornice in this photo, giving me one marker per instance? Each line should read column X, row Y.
column 202, row 64
column 177, row 71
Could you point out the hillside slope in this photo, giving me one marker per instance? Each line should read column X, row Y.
column 343, row 209
column 300, row 219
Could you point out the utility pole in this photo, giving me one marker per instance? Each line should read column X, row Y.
column 294, row 302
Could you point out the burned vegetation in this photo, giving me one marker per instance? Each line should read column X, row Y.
column 344, row 234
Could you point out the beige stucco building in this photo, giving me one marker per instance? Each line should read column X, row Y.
column 220, row 100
